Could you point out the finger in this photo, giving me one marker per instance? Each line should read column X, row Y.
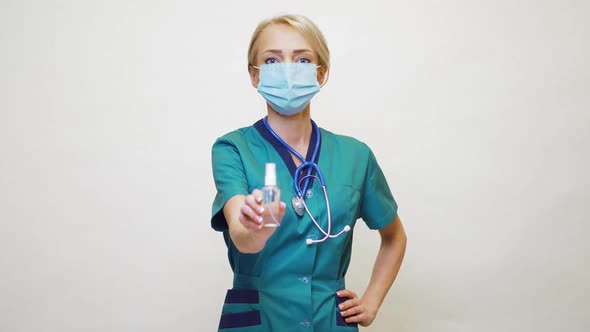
column 349, row 304
column 248, row 223
column 352, row 299
column 254, row 204
column 360, row 318
column 352, row 311
column 346, row 293
column 282, row 209
column 250, row 215
column 257, row 194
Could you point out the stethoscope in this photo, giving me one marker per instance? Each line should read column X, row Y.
column 298, row 201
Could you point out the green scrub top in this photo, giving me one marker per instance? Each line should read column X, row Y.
column 289, row 285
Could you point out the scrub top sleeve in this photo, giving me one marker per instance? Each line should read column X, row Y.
column 229, row 177
column 378, row 207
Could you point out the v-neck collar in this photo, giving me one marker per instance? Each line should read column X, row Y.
column 284, row 152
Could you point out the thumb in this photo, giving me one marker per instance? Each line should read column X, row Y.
column 282, row 209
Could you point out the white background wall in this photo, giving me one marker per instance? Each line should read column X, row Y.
column 478, row 112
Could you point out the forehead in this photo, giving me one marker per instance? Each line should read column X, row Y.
column 282, row 37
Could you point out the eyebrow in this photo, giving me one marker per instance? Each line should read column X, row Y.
column 303, row 50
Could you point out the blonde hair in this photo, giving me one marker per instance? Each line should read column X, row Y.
column 306, row 27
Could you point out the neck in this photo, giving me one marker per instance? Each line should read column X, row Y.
column 295, row 130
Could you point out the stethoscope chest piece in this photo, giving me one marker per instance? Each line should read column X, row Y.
column 297, row 205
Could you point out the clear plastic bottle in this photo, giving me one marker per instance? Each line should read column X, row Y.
column 271, row 197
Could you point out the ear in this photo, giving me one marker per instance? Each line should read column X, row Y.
column 254, row 76
column 322, row 72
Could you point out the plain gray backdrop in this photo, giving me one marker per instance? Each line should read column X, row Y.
column 478, row 113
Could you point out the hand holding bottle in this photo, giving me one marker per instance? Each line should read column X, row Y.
column 255, row 215
column 263, row 210
column 247, row 232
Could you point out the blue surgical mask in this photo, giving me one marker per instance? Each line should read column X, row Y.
column 288, row 87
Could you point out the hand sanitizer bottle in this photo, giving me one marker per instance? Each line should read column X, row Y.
column 271, row 197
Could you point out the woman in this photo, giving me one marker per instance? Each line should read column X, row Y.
column 292, row 277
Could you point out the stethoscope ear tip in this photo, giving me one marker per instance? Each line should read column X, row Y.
column 309, row 242
column 346, row 228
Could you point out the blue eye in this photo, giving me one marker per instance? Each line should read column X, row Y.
column 303, row 60
column 271, row 60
